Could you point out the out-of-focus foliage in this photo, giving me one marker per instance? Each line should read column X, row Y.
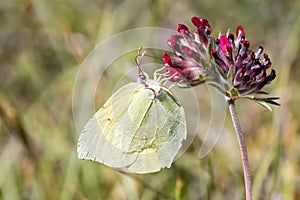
column 42, row 44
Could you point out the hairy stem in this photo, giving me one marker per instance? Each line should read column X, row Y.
column 243, row 148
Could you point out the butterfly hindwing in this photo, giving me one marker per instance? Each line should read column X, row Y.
column 95, row 140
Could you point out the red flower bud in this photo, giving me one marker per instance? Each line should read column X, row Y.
column 240, row 32
column 183, row 28
column 225, row 45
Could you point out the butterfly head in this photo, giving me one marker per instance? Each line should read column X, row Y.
column 142, row 77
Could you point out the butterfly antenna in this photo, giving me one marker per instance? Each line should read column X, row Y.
column 138, row 59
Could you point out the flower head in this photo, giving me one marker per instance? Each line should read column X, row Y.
column 226, row 62
column 248, row 68
column 189, row 65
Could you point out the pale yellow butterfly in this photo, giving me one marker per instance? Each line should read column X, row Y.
column 139, row 129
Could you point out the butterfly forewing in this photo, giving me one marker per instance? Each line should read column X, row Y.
column 171, row 137
column 167, row 130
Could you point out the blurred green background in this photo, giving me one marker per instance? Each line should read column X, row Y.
column 42, row 44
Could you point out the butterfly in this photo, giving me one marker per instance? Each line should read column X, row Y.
column 139, row 129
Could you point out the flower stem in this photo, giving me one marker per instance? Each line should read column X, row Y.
column 243, row 148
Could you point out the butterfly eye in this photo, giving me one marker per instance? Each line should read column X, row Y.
column 142, row 77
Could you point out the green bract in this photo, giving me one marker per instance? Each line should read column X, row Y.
column 139, row 129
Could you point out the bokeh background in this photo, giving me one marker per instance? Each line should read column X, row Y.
column 42, row 44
